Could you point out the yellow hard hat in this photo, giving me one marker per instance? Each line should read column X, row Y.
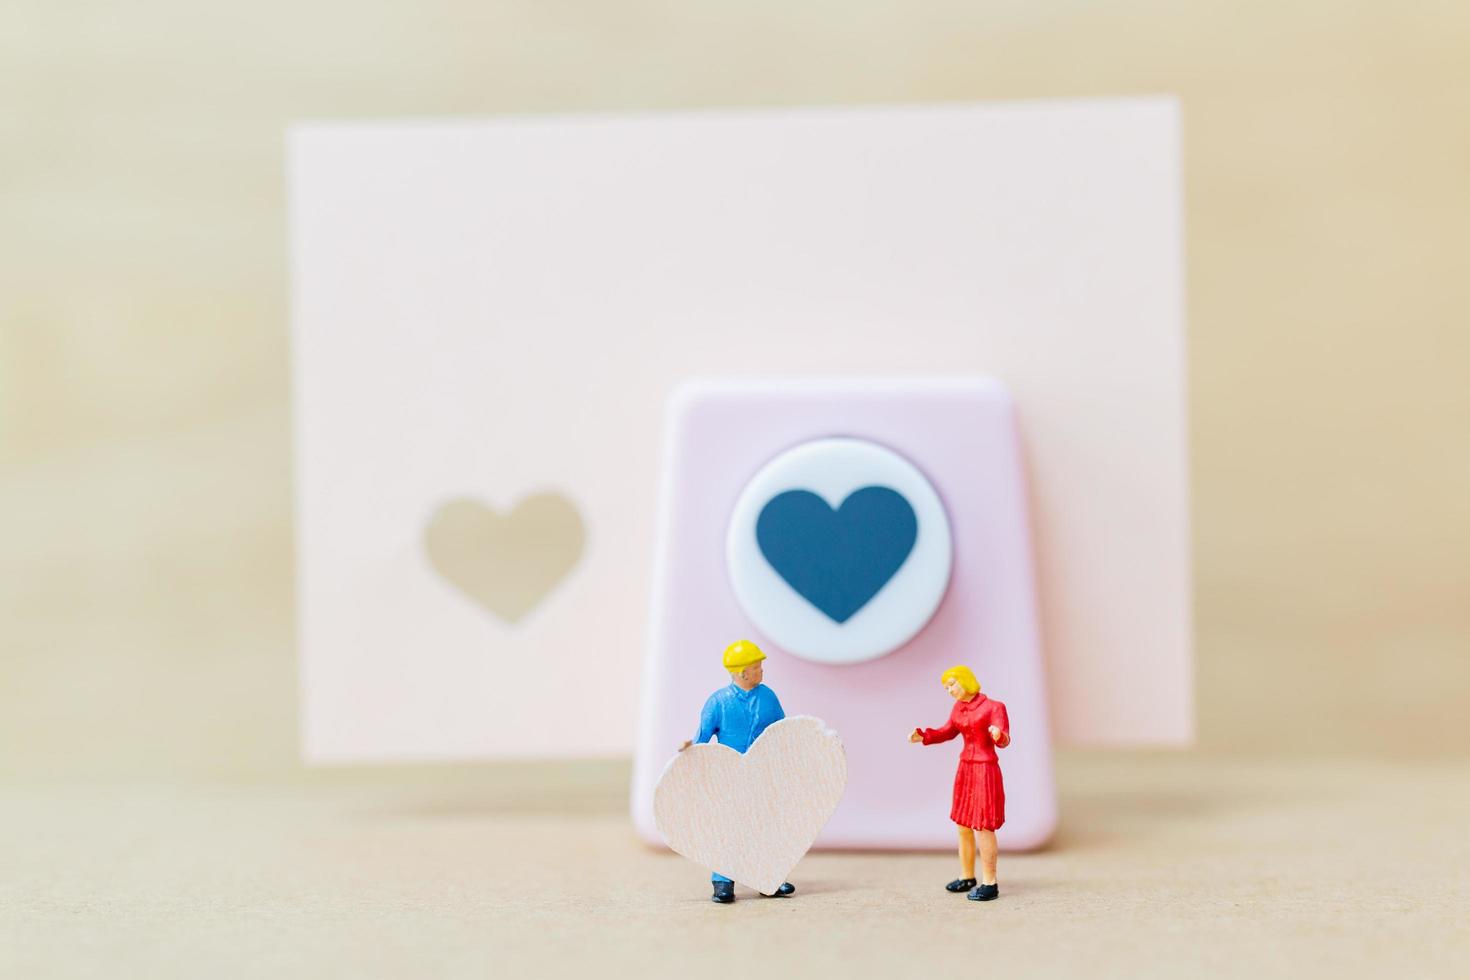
column 741, row 654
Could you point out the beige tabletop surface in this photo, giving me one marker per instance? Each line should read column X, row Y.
column 1168, row 865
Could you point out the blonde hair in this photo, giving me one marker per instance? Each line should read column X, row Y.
column 964, row 675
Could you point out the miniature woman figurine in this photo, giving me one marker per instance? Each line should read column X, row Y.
column 979, row 806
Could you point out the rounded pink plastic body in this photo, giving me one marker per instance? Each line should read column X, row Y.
column 961, row 433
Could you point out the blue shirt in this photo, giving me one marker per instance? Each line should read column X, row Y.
column 737, row 716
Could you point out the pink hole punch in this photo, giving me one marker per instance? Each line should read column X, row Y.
column 869, row 535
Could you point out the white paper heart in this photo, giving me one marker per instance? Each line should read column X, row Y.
column 752, row 817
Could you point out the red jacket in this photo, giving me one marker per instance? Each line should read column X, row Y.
column 973, row 719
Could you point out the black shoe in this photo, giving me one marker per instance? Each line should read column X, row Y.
column 724, row 892
column 786, row 889
column 984, row 893
column 960, row 885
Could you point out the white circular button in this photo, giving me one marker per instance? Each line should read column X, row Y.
column 839, row 550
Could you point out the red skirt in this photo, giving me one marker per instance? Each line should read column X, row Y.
column 979, row 796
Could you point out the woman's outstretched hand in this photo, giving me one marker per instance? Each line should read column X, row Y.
column 916, row 736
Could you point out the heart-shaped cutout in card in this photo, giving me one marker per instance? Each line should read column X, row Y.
column 505, row 562
column 752, row 817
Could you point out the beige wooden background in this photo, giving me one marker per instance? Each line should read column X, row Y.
column 145, row 511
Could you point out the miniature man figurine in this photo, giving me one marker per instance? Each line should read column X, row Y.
column 979, row 806
column 736, row 715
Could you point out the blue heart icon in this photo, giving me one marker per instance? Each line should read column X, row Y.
column 837, row 559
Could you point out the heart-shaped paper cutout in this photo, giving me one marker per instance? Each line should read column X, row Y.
column 506, row 563
column 752, row 817
column 837, row 559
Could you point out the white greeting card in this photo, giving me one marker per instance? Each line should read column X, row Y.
column 488, row 317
